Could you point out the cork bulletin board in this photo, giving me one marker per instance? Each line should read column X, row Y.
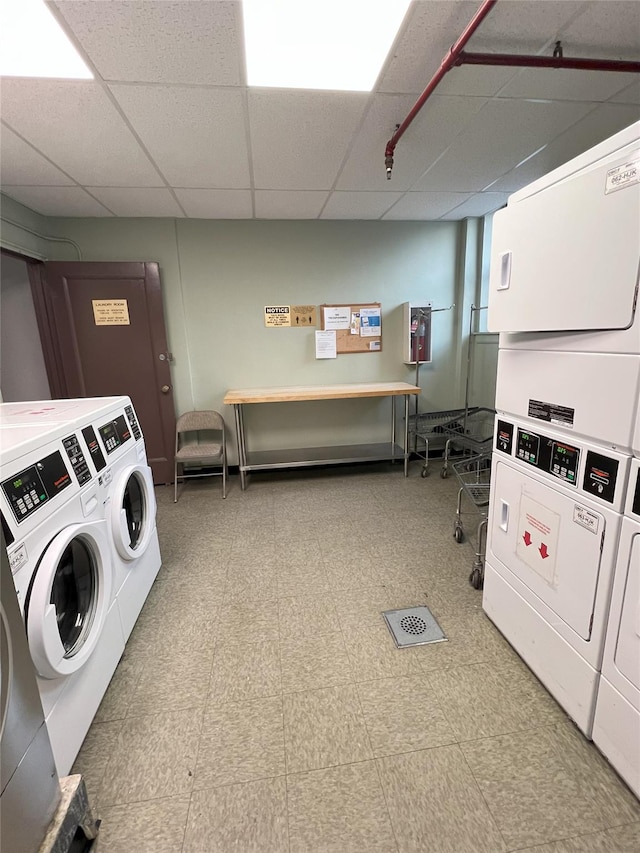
column 354, row 324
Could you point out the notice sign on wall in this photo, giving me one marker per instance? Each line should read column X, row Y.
column 303, row 315
column 277, row 315
column 111, row 312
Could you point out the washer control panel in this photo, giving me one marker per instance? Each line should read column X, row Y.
column 132, row 420
column 28, row 490
column 114, row 434
column 76, row 457
column 97, row 456
column 547, row 454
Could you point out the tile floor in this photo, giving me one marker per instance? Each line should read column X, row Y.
column 261, row 704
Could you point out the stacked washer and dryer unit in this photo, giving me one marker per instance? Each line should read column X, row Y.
column 78, row 513
column 562, row 579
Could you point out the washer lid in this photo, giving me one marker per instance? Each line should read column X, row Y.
column 69, row 599
column 133, row 511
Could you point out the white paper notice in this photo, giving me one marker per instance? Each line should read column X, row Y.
column 337, row 318
column 370, row 323
column 326, row 344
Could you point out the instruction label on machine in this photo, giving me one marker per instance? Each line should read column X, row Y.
column 537, row 545
column 551, row 413
column 623, row 176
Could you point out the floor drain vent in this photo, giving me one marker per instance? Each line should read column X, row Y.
column 413, row 626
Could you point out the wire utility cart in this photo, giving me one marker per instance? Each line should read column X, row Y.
column 427, row 426
column 474, row 476
column 471, row 430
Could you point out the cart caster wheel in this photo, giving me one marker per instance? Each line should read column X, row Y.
column 424, row 473
column 458, row 535
column 444, row 473
column 475, row 579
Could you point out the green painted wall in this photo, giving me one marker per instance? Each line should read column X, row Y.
column 217, row 276
column 20, row 228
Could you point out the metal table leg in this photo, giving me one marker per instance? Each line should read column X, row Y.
column 242, row 450
column 393, row 429
column 406, row 435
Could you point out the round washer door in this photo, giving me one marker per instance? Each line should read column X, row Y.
column 69, row 599
column 133, row 511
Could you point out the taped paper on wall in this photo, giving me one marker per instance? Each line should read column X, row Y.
column 337, row 318
column 370, row 323
column 326, row 344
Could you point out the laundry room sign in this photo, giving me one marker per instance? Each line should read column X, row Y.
column 111, row 312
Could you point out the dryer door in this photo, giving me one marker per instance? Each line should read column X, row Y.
column 69, row 598
column 133, row 511
column 551, row 542
column 627, row 648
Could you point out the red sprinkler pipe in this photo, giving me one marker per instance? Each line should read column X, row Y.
column 516, row 60
column 449, row 62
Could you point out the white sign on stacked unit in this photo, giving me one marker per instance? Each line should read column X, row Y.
column 563, row 295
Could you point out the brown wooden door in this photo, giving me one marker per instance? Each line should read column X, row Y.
column 103, row 334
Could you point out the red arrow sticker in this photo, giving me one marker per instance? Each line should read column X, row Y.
column 527, row 538
column 543, row 551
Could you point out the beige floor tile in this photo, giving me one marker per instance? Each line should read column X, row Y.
column 255, row 581
column 94, row 755
column 483, row 700
column 356, row 571
column 324, row 728
column 156, row 826
column 182, row 633
column 307, row 615
column 622, row 839
column 339, row 810
column 373, row 654
column 547, row 784
column 245, row 671
column 302, row 578
column 248, row 622
column 312, row 662
column 402, row 715
column 362, row 608
column 154, row 757
column 246, row 818
column 170, row 683
column 241, row 742
column 471, row 639
column 435, row 804
column 121, row 690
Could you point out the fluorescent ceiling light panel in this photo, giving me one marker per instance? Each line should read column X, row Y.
column 32, row 44
column 319, row 44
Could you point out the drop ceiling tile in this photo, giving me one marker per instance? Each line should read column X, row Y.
column 75, row 125
column 521, row 26
column 137, row 201
column 630, row 95
column 607, row 30
column 431, row 132
column 359, row 205
column 430, row 31
column 196, row 136
column 216, row 204
column 566, row 85
column 21, row 164
column 478, row 205
column 58, row 201
column 504, row 133
column 476, row 80
column 425, row 206
column 597, row 126
column 289, row 204
column 160, row 42
column 299, row 139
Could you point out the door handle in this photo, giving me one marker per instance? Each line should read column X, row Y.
column 165, row 389
column 504, row 516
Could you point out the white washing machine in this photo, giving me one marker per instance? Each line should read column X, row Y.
column 116, row 450
column 58, row 545
column 116, row 447
column 616, row 729
column 553, row 527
